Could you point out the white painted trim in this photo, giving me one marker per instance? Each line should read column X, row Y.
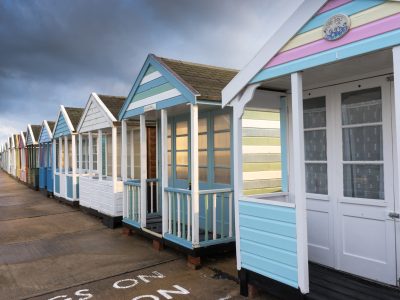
column 299, row 193
column 30, row 132
column 90, row 152
column 132, row 143
column 100, row 154
column 54, row 164
column 396, row 147
column 143, row 171
column 80, row 154
column 114, row 150
column 282, row 34
column 66, row 158
column 124, row 157
column 150, row 77
column 237, row 173
column 194, row 170
column 48, row 129
column 73, row 156
column 23, row 140
column 155, row 98
column 164, row 169
column 104, row 108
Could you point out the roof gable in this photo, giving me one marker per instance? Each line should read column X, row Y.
column 22, row 140
column 46, row 134
column 97, row 113
column 63, row 125
column 155, row 84
column 32, row 134
column 280, row 36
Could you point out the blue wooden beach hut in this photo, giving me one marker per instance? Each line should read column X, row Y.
column 46, row 158
column 65, row 150
column 176, row 145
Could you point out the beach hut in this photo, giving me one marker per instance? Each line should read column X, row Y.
column 176, row 145
column 100, row 183
column 12, row 170
column 21, row 154
column 32, row 161
column 46, row 158
column 65, row 149
column 332, row 69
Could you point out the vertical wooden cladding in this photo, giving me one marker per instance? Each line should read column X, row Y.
column 151, row 152
column 268, row 244
column 62, row 127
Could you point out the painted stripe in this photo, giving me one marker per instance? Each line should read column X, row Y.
column 264, row 183
column 150, row 70
column 275, row 132
column 359, row 33
column 347, row 9
column 261, row 157
column 262, row 191
column 151, row 84
column 261, row 175
column 261, row 141
column 261, row 149
column 261, row 115
column 332, row 4
column 154, row 91
column 150, row 77
column 375, row 43
column 258, row 167
column 357, row 20
column 153, row 99
column 260, row 124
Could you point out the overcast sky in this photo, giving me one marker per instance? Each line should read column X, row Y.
column 56, row 52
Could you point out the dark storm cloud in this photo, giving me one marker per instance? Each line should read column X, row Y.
column 58, row 51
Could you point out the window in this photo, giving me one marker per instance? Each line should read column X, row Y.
column 222, row 151
column 203, row 156
column 315, row 145
column 362, row 144
column 182, row 150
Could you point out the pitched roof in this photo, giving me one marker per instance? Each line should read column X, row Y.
column 36, row 131
column 113, row 103
column 281, row 33
column 51, row 125
column 74, row 114
column 204, row 80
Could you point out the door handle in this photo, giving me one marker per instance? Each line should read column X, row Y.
column 394, row 215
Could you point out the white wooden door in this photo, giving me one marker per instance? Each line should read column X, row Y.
column 349, row 178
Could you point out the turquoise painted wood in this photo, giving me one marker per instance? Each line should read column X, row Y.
column 70, row 187
column 57, row 183
column 42, row 177
column 44, row 136
column 375, row 43
column 152, row 88
column 62, row 128
column 268, row 241
column 50, row 180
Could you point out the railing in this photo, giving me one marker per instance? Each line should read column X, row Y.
column 132, row 201
column 215, row 214
column 152, row 188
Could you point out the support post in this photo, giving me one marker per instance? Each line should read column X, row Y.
column 114, row 157
column 132, row 143
column 53, row 167
column 66, row 166
column 143, row 170
column 164, row 169
column 80, row 171
column 299, row 193
column 100, row 154
column 90, row 153
column 60, row 163
column 124, row 155
column 194, row 176
column 73, row 158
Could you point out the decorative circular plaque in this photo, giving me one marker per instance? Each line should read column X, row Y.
column 336, row 27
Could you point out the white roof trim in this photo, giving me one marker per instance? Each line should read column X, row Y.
column 66, row 117
column 94, row 98
column 305, row 10
column 23, row 138
column 48, row 129
column 30, row 132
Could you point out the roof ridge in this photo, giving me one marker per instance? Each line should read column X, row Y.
column 198, row 64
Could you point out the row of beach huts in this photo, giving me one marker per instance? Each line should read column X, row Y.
column 294, row 159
